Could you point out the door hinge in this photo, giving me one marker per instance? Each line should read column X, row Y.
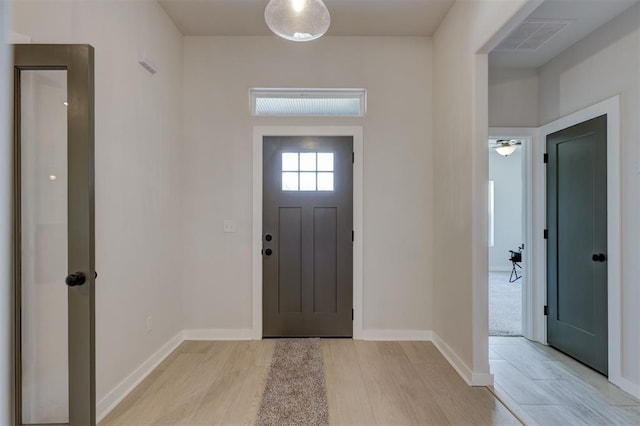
column 353, row 236
column 545, row 158
column 353, row 158
column 546, row 234
column 351, row 314
column 546, row 310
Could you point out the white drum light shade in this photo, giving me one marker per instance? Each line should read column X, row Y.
column 297, row 20
column 507, row 147
column 506, row 150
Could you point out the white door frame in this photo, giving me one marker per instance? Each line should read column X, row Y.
column 534, row 321
column 611, row 107
column 259, row 132
column 531, row 300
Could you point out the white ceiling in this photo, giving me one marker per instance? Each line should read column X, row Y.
column 585, row 16
column 348, row 17
column 395, row 18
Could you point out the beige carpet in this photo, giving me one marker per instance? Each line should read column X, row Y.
column 295, row 392
column 505, row 305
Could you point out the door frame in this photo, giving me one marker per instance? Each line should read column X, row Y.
column 78, row 61
column 611, row 107
column 530, row 299
column 354, row 131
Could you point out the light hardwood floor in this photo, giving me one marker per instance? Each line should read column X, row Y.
column 368, row 383
column 545, row 387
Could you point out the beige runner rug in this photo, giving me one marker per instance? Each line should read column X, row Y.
column 295, row 392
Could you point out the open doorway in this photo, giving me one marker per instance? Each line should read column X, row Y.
column 506, row 236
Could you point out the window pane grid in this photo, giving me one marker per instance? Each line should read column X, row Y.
column 307, row 171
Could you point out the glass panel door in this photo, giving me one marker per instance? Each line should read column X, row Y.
column 54, row 235
column 43, row 214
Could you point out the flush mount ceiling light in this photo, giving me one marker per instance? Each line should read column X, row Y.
column 297, row 20
column 506, row 147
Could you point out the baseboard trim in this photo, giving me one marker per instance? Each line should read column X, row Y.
column 481, row 379
column 396, row 335
column 471, row 378
column 118, row 393
column 627, row 386
column 218, row 334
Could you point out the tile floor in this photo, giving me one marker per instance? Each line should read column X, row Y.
column 545, row 387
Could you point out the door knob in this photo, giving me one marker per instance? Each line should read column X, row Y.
column 598, row 257
column 268, row 237
column 76, row 279
column 268, row 252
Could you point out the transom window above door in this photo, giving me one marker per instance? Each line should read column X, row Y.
column 307, row 171
column 308, row 102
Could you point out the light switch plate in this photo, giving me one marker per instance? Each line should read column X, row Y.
column 229, row 226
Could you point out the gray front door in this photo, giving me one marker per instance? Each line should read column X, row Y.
column 54, row 235
column 577, row 242
column 307, row 236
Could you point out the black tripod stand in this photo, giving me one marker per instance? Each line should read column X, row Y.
column 515, row 259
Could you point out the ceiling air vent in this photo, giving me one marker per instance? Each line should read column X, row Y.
column 532, row 34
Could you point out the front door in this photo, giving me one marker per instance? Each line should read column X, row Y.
column 307, row 236
column 577, row 242
column 54, row 235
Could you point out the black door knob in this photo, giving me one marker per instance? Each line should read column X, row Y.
column 76, row 279
column 598, row 257
column 268, row 252
column 268, row 237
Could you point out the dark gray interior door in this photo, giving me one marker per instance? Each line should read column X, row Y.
column 577, row 242
column 307, row 236
column 54, row 235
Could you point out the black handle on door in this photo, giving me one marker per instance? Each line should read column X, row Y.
column 598, row 257
column 268, row 252
column 76, row 279
column 268, row 237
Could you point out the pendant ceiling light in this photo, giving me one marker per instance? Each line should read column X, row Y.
column 297, row 20
column 506, row 147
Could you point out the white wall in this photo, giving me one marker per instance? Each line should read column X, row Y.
column 397, row 168
column 602, row 65
column 6, row 178
column 461, row 167
column 506, row 172
column 513, row 97
column 138, row 170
